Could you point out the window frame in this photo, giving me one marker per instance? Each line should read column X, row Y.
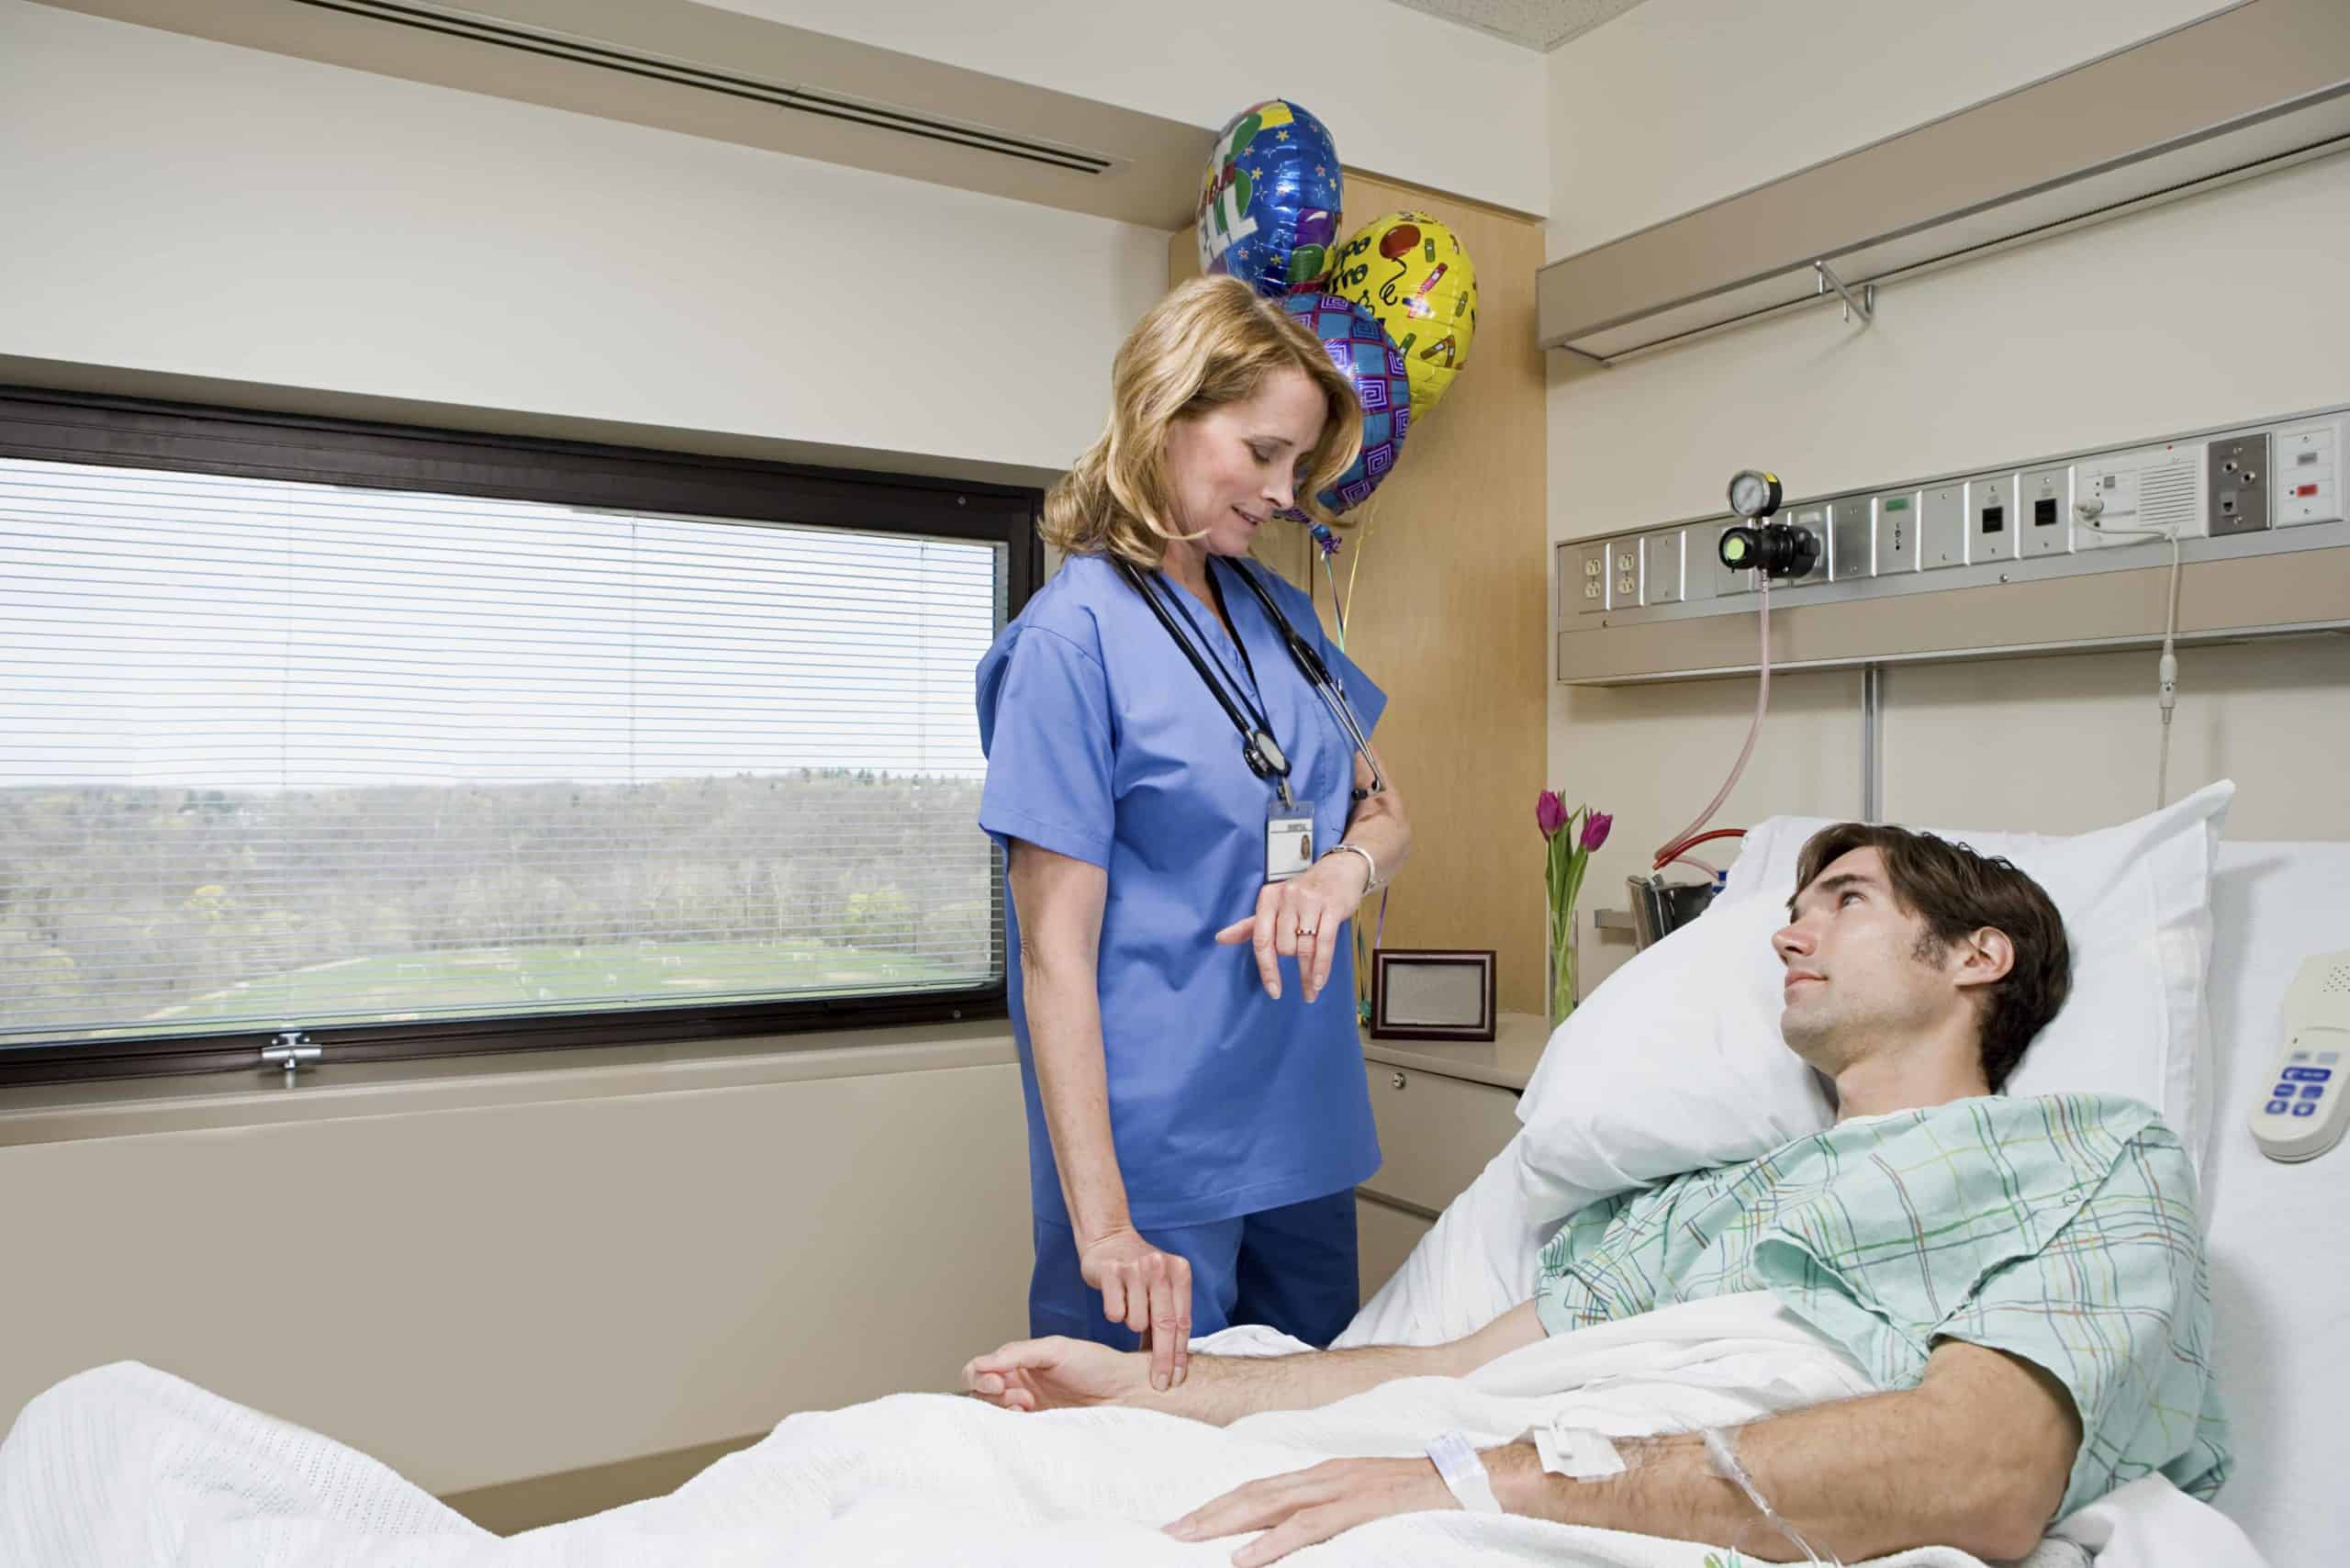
column 69, row 427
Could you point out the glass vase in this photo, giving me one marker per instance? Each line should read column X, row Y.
column 1560, row 974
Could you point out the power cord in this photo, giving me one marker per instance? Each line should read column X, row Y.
column 2167, row 669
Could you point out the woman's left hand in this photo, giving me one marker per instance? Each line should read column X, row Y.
column 1299, row 919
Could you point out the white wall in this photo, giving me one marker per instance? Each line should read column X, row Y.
column 2223, row 306
column 183, row 206
column 1678, row 103
column 1404, row 94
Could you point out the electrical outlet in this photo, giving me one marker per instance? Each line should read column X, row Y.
column 1587, row 588
column 2236, row 480
column 1624, row 562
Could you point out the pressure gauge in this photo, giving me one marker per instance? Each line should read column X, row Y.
column 1753, row 493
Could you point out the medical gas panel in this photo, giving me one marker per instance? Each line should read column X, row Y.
column 2040, row 556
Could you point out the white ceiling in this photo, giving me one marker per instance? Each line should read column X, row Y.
column 1537, row 24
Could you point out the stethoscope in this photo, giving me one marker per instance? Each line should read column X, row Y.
column 1257, row 747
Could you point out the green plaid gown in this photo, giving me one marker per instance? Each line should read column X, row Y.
column 2062, row 1229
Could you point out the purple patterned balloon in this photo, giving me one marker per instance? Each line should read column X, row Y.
column 1359, row 346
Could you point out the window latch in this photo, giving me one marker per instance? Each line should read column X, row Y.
column 292, row 1048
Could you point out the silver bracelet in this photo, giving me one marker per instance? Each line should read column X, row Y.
column 1370, row 864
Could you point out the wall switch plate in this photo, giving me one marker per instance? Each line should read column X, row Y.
column 2236, row 479
column 1896, row 533
column 1851, row 539
column 1661, row 568
column 1941, row 526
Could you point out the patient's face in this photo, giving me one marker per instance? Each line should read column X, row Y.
column 1862, row 972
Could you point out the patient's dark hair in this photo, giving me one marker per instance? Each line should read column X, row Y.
column 1957, row 892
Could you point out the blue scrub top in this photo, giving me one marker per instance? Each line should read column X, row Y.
column 1103, row 744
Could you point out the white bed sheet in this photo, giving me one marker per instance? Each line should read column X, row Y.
column 2280, row 1273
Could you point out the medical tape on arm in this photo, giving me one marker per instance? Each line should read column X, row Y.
column 1579, row 1454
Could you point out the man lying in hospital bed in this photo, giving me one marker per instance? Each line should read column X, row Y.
column 2022, row 1279
column 1924, row 1330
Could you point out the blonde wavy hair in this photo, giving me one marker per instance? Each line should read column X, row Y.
column 1211, row 342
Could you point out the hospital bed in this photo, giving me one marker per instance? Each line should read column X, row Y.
column 2280, row 1271
column 2280, row 1284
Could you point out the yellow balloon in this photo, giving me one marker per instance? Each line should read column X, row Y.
column 1412, row 272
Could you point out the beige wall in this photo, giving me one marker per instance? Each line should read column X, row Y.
column 478, row 1282
column 1415, row 96
column 206, row 211
column 1678, row 103
column 2222, row 306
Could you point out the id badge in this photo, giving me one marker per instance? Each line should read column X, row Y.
column 1288, row 841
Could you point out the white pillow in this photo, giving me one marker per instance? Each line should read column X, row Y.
column 1675, row 1062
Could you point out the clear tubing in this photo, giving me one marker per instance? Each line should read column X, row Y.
column 1671, row 849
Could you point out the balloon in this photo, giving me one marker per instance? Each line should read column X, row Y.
column 1411, row 273
column 1358, row 347
column 1268, row 208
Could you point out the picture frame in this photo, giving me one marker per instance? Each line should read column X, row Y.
column 1432, row 994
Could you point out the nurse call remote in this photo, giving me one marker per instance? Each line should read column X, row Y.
column 2301, row 1111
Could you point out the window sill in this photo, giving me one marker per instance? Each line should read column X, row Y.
column 126, row 1107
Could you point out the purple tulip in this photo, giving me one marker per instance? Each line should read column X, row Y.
column 1550, row 813
column 1595, row 829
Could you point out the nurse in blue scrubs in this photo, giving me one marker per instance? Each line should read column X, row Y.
column 1190, row 825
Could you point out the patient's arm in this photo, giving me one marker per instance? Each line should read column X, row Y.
column 1050, row 1373
column 1977, row 1456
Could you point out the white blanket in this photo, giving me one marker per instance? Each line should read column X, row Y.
column 125, row 1467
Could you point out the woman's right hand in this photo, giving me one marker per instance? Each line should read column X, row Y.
column 1150, row 1292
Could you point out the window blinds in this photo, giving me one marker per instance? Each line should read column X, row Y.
column 278, row 754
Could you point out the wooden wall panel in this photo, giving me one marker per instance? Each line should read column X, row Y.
column 1449, row 614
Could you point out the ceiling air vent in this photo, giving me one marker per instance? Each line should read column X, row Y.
column 454, row 22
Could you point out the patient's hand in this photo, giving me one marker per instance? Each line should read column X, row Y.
column 1056, row 1373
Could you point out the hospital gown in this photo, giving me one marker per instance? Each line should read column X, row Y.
column 2060, row 1229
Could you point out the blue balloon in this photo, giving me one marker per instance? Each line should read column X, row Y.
column 1366, row 356
column 1268, row 210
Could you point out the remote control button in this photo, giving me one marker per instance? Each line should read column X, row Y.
column 2307, row 1074
column 2311, row 1091
column 2278, row 1107
column 2303, row 1108
column 2283, row 1090
column 2329, row 1058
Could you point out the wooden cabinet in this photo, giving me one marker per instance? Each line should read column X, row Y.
column 1443, row 1110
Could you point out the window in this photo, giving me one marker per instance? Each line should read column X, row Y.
column 419, row 743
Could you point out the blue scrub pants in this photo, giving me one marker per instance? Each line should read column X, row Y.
column 1292, row 1268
